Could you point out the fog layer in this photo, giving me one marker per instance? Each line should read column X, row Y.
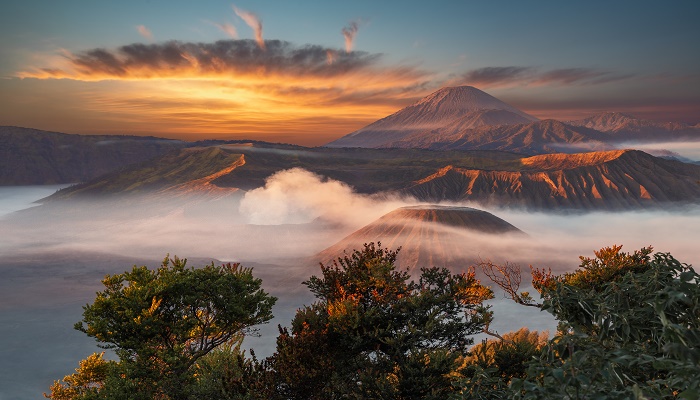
column 53, row 257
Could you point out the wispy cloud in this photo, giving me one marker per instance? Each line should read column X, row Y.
column 228, row 29
column 145, row 32
column 490, row 77
column 349, row 33
column 254, row 22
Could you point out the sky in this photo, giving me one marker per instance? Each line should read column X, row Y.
column 308, row 72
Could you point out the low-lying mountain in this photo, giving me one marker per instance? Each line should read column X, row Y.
column 187, row 170
column 625, row 127
column 458, row 108
column 430, row 235
column 35, row 157
column 621, row 179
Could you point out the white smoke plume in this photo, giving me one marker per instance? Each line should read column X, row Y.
column 349, row 33
column 254, row 22
column 297, row 196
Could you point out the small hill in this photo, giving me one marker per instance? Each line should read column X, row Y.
column 35, row 157
column 429, row 235
column 442, row 108
column 546, row 136
column 625, row 127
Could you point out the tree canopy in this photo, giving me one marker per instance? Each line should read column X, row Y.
column 373, row 333
column 160, row 322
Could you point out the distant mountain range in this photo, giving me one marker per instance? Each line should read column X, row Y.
column 621, row 179
column 465, row 118
column 428, row 235
column 34, row 157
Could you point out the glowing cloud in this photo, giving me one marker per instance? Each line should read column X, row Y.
column 349, row 33
column 254, row 22
column 145, row 32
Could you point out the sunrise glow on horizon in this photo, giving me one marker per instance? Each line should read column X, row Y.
column 309, row 73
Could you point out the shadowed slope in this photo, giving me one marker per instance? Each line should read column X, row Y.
column 35, row 157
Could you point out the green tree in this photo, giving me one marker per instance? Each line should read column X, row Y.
column 161, row 322
column 628, row 329
column 372, row 333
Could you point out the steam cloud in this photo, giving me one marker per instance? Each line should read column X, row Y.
column 297, row 196
column 254, row 22
column 349, row 33
column 145, row 32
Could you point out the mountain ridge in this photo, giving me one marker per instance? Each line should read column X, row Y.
column 36, row 157
column 620, row 179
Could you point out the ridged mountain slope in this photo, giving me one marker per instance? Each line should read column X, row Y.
column 190, row 170
column 429, row 235
column 603, row 180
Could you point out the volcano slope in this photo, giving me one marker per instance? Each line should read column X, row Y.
column 610, row 180
column 432, row 235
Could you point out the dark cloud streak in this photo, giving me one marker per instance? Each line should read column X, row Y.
column 232, row 57
column 519, row 75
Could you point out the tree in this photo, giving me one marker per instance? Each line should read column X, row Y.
column 628, row 329
column 372, row 333
column 161, row 322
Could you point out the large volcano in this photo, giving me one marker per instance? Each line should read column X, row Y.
column 432, row 235
column 458, row 108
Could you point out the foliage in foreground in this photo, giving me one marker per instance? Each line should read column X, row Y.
column 160, row 323
column 629, row 328
column 372, row 333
